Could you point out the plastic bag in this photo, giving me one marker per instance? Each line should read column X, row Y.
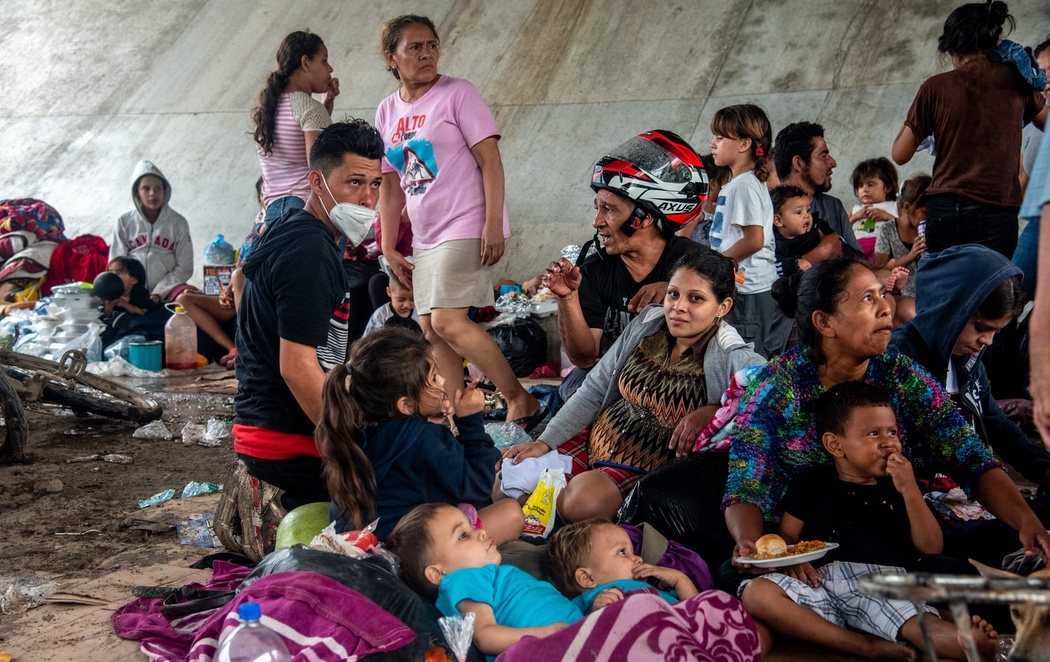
column 33, row 344
column 505, row 435
column 215, row 432
column 542, row 505
column 354, row 544
column 193, row 433
column 193, row 488
column 459, row 633
column 683, row 501
column 219, row 252
column 158, row 498
column 198, row 531
column 90, row 342
column 523, row 343
column 155, row 431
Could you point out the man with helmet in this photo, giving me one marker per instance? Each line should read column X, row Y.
column 645, row 190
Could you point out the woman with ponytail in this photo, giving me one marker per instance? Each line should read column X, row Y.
column 385, row 448
column 974, row 113
column 288, row 119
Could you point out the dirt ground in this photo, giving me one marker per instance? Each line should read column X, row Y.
column 74, row 522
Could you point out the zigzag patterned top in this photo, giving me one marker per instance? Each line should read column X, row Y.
column 657, row 395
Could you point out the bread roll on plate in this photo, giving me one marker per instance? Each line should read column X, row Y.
column 771, row 545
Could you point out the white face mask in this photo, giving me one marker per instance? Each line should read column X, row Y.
column 353, row 221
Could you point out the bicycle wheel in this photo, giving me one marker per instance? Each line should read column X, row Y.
column 16, row 428
column 65, row 383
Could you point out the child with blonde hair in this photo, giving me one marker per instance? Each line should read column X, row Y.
column 743, row 225
column 594, row 561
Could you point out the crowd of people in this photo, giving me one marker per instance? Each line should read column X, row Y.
column 820, row 368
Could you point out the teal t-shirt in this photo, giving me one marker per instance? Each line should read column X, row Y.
column 584, row 602
column 518, row 599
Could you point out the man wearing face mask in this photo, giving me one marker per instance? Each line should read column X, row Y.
column 294, row 312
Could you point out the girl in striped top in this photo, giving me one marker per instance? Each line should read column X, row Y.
column 288, row 119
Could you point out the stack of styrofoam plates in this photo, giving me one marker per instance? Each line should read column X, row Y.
column 77, row 308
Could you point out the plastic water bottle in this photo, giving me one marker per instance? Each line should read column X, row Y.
column 219, row 252
column 251, row 641
column 180, row 341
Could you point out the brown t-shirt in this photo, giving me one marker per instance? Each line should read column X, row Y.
column 975, row 113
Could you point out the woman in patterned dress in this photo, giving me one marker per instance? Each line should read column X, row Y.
column 645, row 401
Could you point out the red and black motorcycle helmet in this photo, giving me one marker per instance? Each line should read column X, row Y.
column 660, row 173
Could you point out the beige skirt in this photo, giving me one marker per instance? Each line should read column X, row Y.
column 450, row 275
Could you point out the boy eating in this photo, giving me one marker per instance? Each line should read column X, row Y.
column 870, row 504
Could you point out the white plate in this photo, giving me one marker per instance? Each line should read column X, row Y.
column 794, row 559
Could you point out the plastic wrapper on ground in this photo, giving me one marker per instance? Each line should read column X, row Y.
column 193, row 488
column 197, row 531
column 155, row 431
column 158, row 498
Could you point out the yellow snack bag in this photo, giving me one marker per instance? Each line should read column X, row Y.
column 542, row 504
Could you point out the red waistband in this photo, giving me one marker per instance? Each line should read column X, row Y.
column 270, row 444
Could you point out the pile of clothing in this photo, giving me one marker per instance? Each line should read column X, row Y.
column 36, row 255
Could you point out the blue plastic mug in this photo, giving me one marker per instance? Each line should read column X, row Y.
column 146, row 355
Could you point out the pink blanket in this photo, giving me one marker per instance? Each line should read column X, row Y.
column 712, row 626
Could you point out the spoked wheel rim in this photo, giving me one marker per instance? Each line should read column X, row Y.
column 65, row 382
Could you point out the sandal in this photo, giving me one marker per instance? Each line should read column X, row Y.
column 530, row 423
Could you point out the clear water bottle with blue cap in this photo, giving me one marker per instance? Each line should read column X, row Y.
column 251, row 641
column 219, row 252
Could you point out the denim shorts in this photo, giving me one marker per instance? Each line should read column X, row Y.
column 280, row 206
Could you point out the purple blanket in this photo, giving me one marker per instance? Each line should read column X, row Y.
column 318, row 618
column 712, row 626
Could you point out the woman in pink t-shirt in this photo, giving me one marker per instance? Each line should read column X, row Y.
column 443, row 167
column 288, row 119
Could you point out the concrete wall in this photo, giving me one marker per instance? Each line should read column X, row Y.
column 91, row 86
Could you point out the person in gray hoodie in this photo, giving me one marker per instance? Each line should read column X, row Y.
column 155, row 234
column 651, row 393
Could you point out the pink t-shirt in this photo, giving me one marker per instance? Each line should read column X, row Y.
column 285, row 169
column 428, row 144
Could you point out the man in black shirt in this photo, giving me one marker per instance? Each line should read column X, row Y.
column 294, row 313
column 644, row 191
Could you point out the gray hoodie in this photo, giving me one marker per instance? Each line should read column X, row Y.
column 725, row 354
column 164, row 248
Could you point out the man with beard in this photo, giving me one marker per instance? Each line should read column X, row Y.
column 801, row 158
